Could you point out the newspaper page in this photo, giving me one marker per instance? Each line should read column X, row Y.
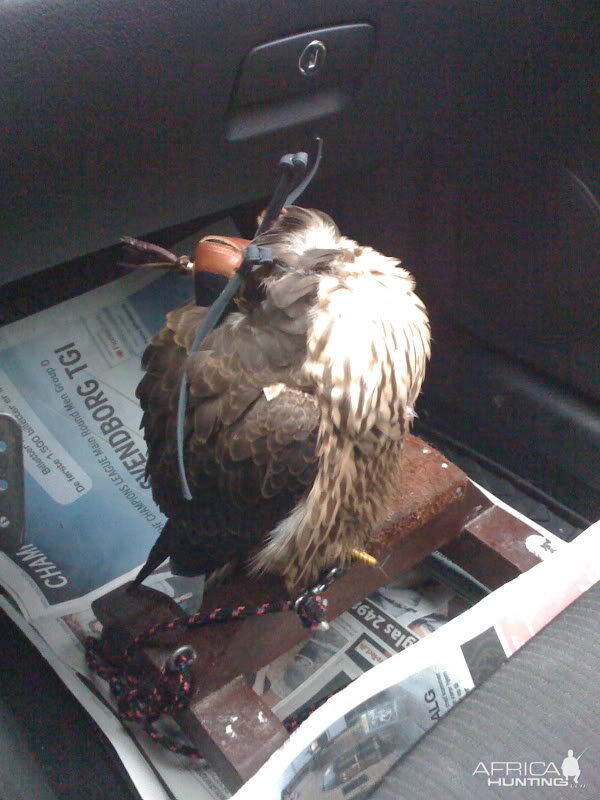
column 345, row 747
column 393, row 619
column 68, row 375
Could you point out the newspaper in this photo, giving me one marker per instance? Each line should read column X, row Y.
column 348, row 745
column 388, row 622
column 68, row 375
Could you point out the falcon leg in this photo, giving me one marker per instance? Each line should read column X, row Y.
column 160, row 551
column 217, row 576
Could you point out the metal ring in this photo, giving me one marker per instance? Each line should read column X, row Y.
column 299, row 600
column 184, row 650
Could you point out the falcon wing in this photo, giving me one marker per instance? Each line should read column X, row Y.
column 250, row 450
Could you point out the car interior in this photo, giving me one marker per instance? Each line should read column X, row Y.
column 460, row 136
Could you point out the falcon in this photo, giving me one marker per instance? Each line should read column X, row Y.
column 298, row 405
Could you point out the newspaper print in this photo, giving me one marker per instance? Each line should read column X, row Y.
column 81, row 500
column 350, row 759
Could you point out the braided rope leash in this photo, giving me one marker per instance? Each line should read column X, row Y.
column 295, row 720
column 144, row 703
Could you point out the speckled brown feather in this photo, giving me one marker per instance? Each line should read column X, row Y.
column 249, row 460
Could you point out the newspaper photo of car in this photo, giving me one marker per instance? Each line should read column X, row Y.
column 353, row 754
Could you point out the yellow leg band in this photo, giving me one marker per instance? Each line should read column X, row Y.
column 364, row 557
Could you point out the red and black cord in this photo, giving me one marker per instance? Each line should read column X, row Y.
column 145, row 703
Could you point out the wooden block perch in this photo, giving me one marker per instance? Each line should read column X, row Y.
column 433, row 506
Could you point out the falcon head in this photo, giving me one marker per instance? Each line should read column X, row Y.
column 307, row 244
